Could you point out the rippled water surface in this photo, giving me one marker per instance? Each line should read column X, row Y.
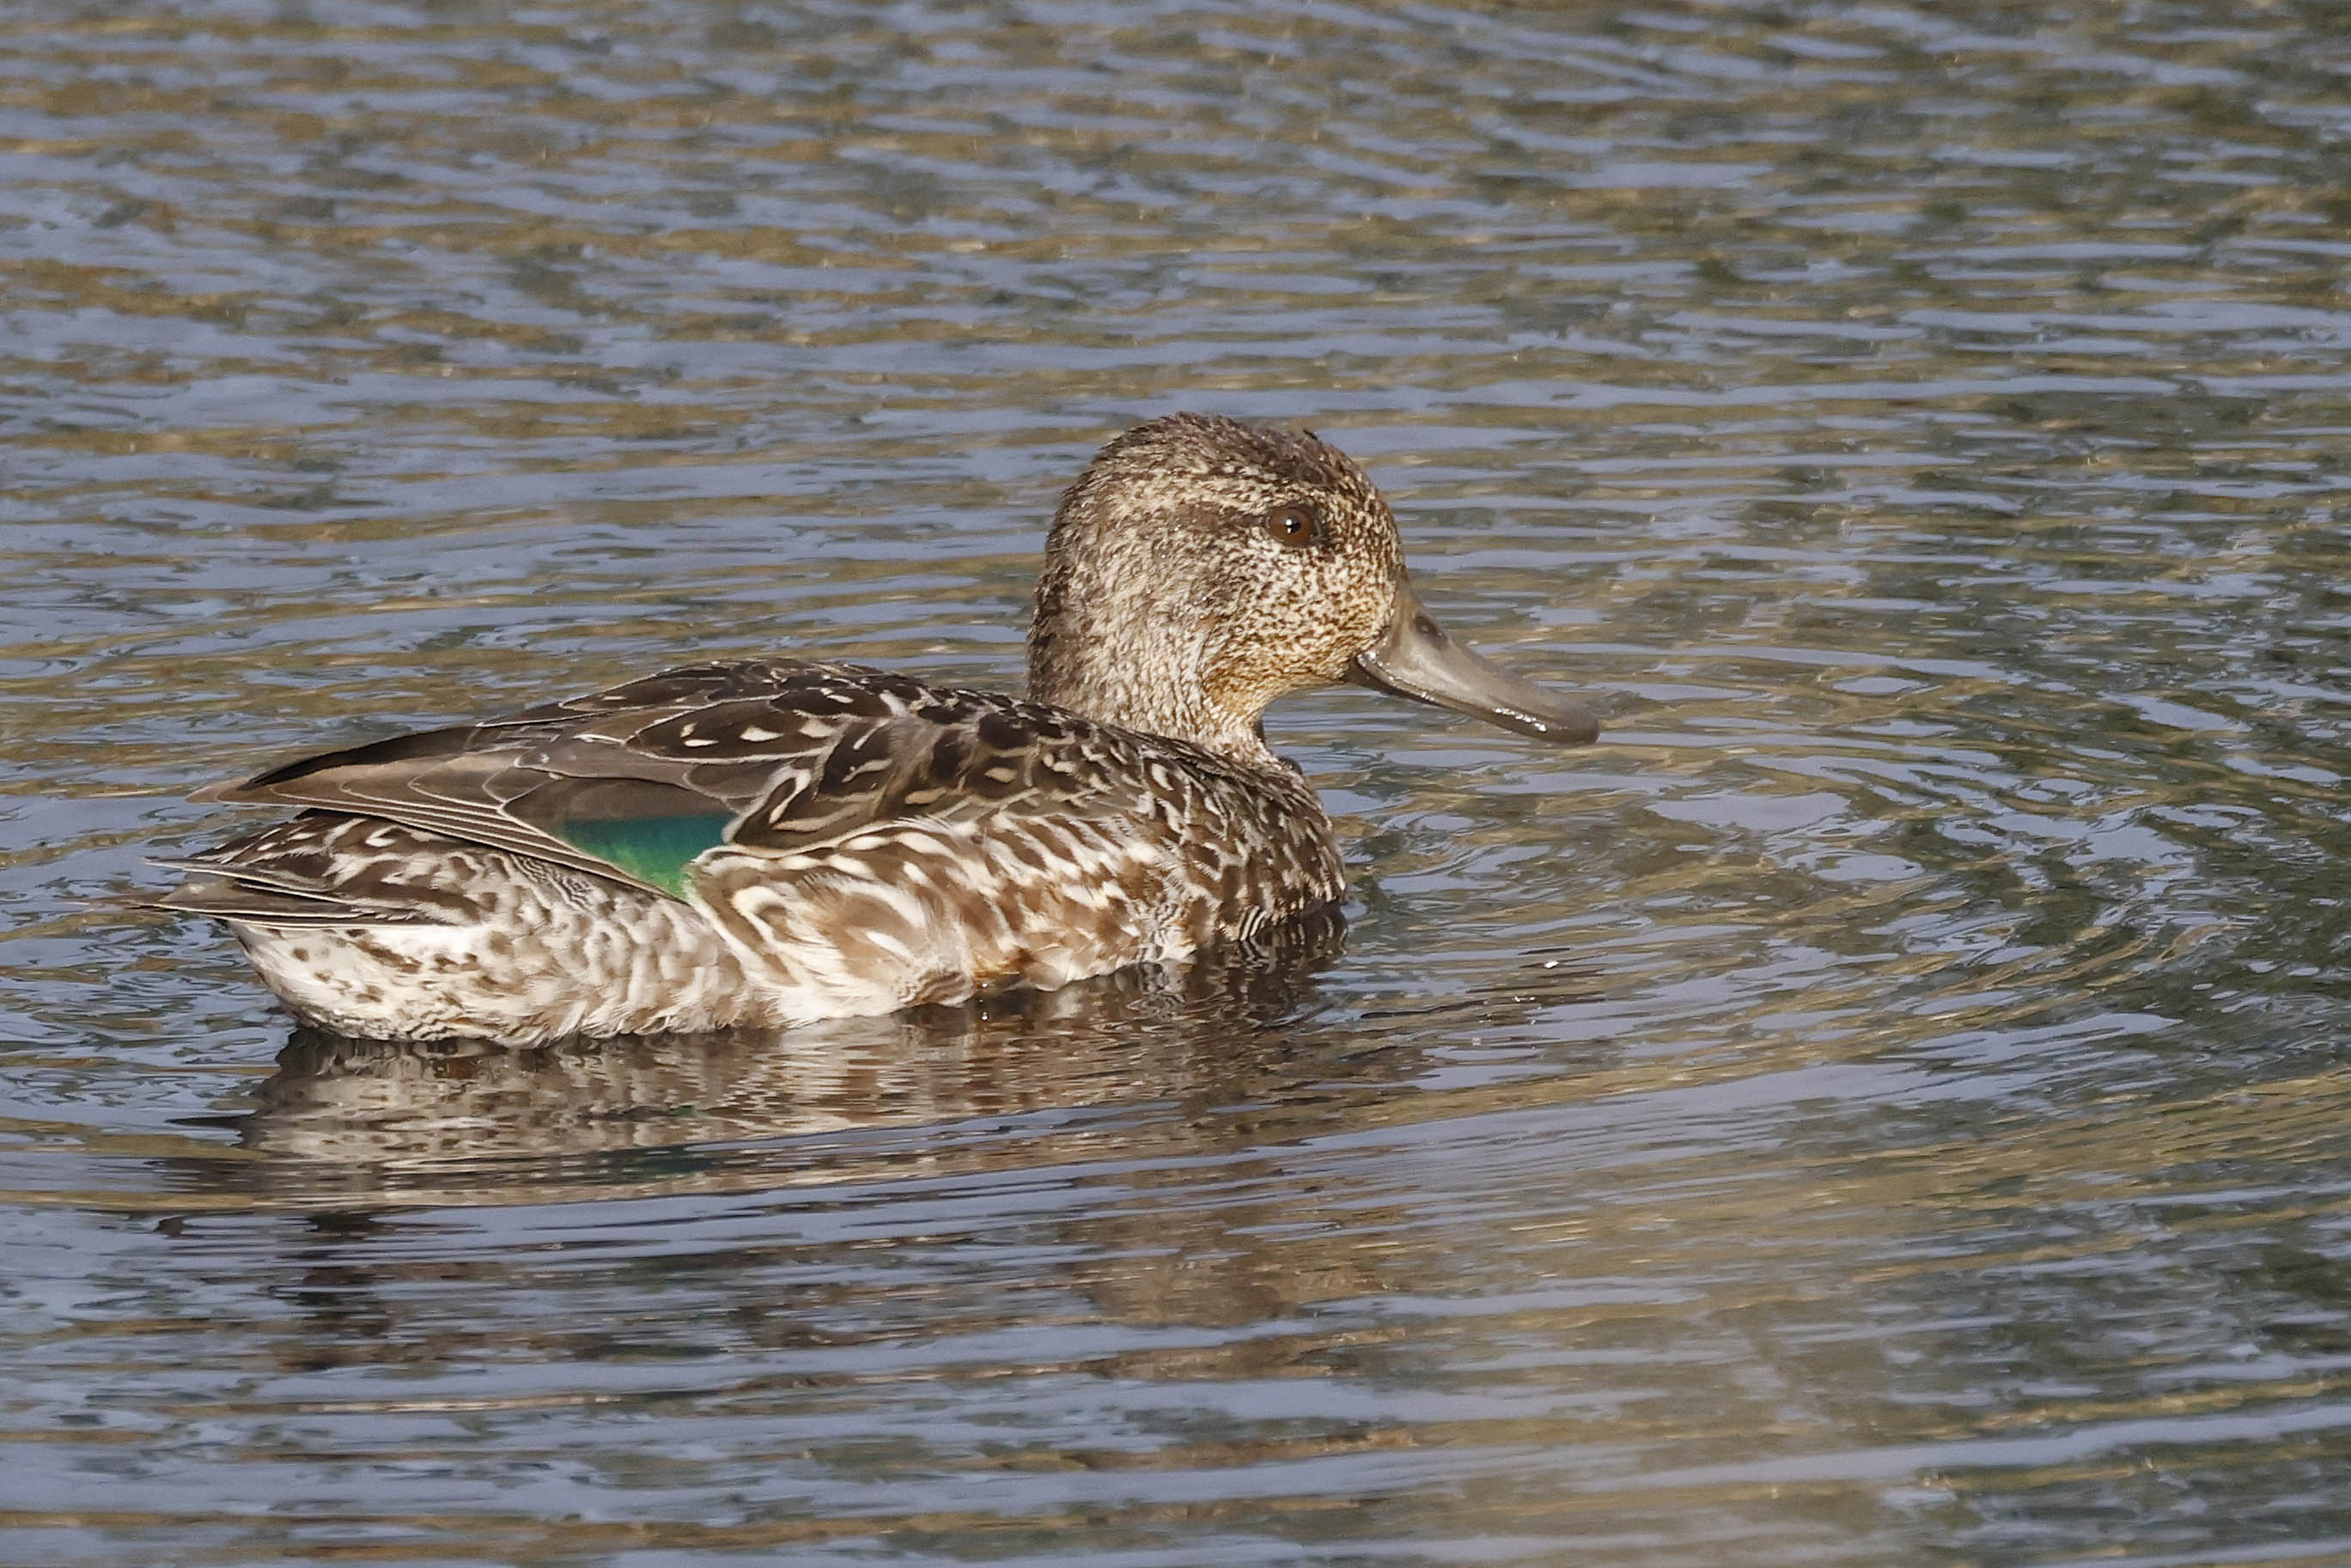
column 1887, row 1104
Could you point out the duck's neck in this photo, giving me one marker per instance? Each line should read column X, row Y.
column 1104, row 646
column 1104, row 688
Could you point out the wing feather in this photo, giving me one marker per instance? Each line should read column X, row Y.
column 772, row 756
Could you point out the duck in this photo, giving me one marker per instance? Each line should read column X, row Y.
column 763, row 843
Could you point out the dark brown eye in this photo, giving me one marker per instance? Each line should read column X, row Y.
column 1293, row 525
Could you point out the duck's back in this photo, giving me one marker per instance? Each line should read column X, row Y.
column 742, row 845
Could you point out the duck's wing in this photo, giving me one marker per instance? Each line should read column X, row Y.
column 633, row 782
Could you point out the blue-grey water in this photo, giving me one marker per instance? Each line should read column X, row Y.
column 1887, row 1104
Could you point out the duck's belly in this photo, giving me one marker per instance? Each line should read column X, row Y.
column 661, row 969
column 434, row 982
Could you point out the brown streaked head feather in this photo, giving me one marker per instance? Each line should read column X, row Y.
column 1167, row 606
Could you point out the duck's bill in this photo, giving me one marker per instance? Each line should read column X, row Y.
column 1414, row 658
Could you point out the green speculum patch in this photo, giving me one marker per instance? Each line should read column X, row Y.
column 655, row 850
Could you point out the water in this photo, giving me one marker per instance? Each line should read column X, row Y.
column 1885, row 1106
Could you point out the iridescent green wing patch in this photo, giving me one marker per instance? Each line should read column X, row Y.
column 655, row 850
column 643, row 828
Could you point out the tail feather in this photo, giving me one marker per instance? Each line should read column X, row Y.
column 258, row 874
column 316, row 869
column 221, row 896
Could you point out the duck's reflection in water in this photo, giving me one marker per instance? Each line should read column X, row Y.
column 342, row 1116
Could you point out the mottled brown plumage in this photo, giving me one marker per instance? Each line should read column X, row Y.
column 762, row 842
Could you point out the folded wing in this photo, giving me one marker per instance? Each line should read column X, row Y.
column 635, row 781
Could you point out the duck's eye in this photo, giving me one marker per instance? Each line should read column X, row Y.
column 1293, row 525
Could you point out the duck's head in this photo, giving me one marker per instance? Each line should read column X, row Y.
column 1201, row 567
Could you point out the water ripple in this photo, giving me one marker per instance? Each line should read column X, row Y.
column 1881, row 1106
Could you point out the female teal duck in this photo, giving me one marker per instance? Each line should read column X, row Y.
column 777, row 841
